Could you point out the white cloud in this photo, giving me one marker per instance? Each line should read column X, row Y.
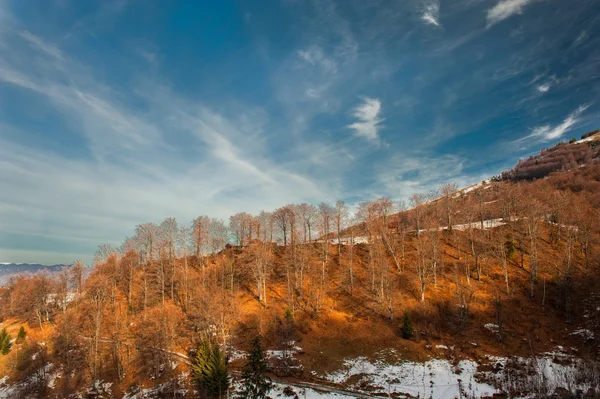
column 505, row 9
column 549, row 132
column 544, row 87
column 431, row 12
column 544, row 84
column 368, row 117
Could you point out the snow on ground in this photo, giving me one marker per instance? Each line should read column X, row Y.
column 491, row 327
column 487, row 224
column 532, row 377
column 438, row 378
column 584, row 333
column 435, row 378
column 593, row 137
column 52, row 377
column 277, row 391
column 162, row 390
column 280, row 354
column 27, row 389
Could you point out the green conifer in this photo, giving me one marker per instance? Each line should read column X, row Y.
column 21, row 334
column 407, row 327
column 256, row 384
column 210, row 369
column 6, row 345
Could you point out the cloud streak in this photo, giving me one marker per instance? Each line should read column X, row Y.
column 431, row 12
column 505, row 9
column 368, row 115
column 548, row 132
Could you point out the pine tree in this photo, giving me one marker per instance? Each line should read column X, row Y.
column 256, row 383
column 210, row 369
column 407, row 327
column 5, row 344
column 21, row 334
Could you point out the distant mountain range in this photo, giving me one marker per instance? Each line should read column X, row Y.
column 10, row 269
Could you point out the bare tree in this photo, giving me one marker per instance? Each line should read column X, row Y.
column 341, row 216
column 146, row 234
column 308, row 215
column 416, row 202
column 284, row 218
column 218, row 235
column 261, row 260
column 239, row 224
column 183, row 242
column 169, row 230
column 103, row 252
column 448, row 192
column 200, row 237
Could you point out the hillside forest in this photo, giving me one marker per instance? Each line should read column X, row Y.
column 519, row 252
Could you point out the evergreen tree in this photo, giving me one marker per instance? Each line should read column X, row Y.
column 5, row 344
column 21, row 334
column 210, row 369
column 407, row 327
column 256, row 383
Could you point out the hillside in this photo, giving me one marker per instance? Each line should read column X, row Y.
column 500, row 282
column 561, row 157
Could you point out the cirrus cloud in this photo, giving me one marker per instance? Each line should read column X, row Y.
column 368, row 123
column 505, row 9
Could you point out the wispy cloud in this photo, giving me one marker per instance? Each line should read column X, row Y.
column 138, row 171
column 314, row 55
column 548, row 132
column 368, row 123
column 581, row 38
column 505, row 9
column 431, row 12
column 544, row 87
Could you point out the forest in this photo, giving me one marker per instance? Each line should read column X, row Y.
column 519, row 255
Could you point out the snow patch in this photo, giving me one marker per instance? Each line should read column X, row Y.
column 435, row 378
column 584, row 333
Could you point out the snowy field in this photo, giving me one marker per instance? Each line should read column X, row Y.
column 435, row 378
column 440, row 379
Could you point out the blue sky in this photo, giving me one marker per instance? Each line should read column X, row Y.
column 114, row 113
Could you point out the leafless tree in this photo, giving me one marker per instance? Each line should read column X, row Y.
column 308, row 215
column 261, row 260
column 341, row 216
column 417, row 200
column 448, row 192
column 239, row 224
column 147, row 235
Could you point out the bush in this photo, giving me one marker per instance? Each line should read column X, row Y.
column 407, row 327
